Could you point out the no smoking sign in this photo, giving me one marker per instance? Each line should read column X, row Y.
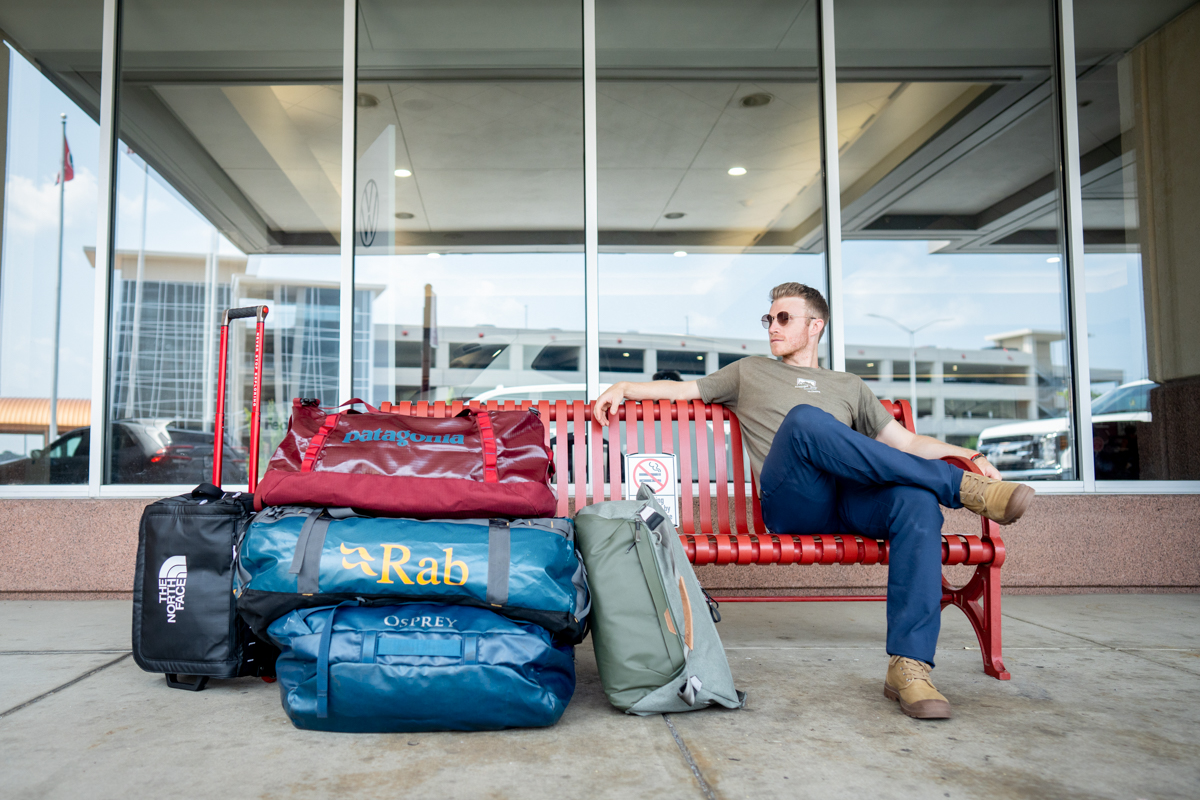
column 658, row 471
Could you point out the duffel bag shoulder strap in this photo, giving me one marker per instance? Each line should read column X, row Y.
column 499, row 556
column 487, row 436
column 317, row 443
column 306, row 561
column 323, row 661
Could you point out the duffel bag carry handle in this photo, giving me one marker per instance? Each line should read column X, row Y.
column 354, row 401
column 317, row 442
column 487, row 436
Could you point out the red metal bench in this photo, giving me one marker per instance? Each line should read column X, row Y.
column 738, row 537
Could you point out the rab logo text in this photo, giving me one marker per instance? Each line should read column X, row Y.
column 401, row 438
column 172, row 582
column 392, row 562
column 807, row 385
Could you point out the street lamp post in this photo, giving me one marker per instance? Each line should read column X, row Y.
column 912, row 354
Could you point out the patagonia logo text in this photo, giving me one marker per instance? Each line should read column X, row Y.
column 402, row 438
column 172, row 583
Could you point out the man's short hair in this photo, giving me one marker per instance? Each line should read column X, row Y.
column 815, row 300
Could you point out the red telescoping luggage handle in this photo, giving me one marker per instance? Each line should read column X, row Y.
column 260, row 314
column 486, row 434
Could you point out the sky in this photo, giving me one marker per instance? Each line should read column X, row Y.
column 702, row 294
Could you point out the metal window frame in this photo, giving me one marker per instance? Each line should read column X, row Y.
column 106, row 220
column 1066, row 111
column 349, row 138
column 831, row 196
column 591, row 217
column 1071, row 214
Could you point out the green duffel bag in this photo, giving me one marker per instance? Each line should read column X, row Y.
column 656, row 645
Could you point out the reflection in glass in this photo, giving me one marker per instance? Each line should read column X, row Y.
column 709, row 179
column 952, row 269
column 49, row 199
column 469, row 199
column 228, row 195
column 1138, row 101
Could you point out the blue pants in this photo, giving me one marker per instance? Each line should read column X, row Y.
column 823, row 477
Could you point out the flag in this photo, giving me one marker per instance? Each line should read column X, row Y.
column 68, row 164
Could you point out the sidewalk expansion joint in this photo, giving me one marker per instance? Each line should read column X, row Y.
column 691, row 762
column 66, row 685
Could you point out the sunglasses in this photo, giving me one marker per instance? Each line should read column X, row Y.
column 783, row 317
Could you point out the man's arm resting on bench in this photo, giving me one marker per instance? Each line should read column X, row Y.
column 896, row 435
column 621, row 391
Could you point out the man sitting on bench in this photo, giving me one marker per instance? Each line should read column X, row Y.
column 830, row 459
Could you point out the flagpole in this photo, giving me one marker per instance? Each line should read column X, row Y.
column 134, row 354
column 62, row 187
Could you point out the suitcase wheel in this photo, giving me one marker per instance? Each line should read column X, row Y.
column 200, row 682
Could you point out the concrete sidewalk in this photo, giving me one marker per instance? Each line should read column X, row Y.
column 1102, row 703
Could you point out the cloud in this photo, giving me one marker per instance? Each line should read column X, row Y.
column 33, row 207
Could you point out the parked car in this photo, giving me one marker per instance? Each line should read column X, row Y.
column 1041, row 449
column 144, row 451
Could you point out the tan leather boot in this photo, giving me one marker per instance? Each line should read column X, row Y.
column 1002, row 501
column 908, row 681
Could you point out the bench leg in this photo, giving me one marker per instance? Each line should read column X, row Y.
column 980, row 601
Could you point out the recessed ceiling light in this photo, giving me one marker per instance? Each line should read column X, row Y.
column 626, row 355
column 1053, row 260
column 404, row 215
column 435, row 255
column 403, row 173
column 755, row 100
column 699, row 358
column 737, row 170
column 680, row 253
column 674, row 215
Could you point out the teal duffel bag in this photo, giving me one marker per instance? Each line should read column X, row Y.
column 526, row 569
column 418, row 667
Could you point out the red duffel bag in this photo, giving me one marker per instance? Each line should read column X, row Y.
column 475, row 465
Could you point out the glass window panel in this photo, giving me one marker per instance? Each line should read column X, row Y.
column 49, row 236
column 950, row 221
column 470, row 199
column 709, row 177
column 228, row 187
column 1139, row 105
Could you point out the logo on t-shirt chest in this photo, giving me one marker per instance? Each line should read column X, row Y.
column 807, row 385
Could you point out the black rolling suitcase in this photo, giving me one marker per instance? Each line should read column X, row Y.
column 185, row 621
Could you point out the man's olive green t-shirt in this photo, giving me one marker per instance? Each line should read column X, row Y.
column 761, row 391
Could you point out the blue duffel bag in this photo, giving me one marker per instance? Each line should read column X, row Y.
column 526, row 569
column 418, row 667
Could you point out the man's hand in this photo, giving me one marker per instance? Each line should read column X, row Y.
column 987, row 468
column 621, row 391
column 607, row 402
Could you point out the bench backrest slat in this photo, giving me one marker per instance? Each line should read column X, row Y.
column 702, row 490
column 580, row 454
column 739, row 475
column 722, row 477
column 682, row 413
column 595, row 435
column 614, row 460
column 559, row 415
